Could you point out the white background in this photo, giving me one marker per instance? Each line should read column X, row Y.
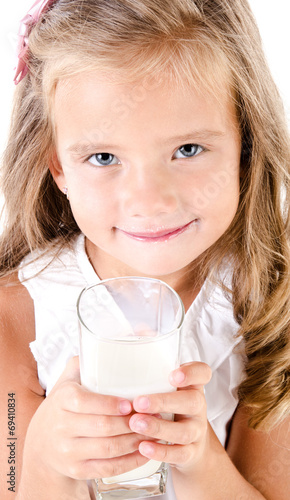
column 273, row 17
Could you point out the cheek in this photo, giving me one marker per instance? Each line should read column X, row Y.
column 223, row 206
column 217, row 196
column 86, row 190
column 92, row 205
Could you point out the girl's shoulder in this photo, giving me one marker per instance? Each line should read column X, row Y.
column 15, row 304
column 20, row 391
column 16, row 332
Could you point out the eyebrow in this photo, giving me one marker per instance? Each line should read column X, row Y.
column 83, row 148
column 196, row 135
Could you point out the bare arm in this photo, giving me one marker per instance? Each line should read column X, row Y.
column 262, row 458
column 18, row 376
column 20, row 388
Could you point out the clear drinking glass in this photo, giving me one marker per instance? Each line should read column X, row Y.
column 129, row 344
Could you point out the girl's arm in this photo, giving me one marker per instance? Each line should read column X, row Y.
column 262, row 458
column 201, row 467
column 20, row 392
column 20, row 397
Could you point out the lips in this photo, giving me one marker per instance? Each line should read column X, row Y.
column 157, row 235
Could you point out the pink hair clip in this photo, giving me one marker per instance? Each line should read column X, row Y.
column 26, row 24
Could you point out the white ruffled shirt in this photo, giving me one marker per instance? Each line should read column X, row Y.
column 208, row 333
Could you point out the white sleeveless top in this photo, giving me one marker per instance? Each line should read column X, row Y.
column 208, row 333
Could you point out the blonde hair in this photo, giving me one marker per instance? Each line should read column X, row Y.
column 201, row 42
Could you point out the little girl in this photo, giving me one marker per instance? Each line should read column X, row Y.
column 148, row 139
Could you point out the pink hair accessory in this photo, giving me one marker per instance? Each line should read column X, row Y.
column 31, row 18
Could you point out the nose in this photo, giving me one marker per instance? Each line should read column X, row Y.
column 149, row 191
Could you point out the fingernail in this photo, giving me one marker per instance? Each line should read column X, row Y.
column 143, row 403
column 178, row 377
column 125, row 407
column 140, row 425
column 146, row 449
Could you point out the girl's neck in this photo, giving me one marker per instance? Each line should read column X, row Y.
column 182, row 281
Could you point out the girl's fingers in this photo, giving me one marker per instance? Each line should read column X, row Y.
column 183, row 432
column 172, row 454
column 94, row 469
column 195, row 374
column 81, row 425
column 102, row 448
column 186, row 402
column 71, row 371
column 77, row 399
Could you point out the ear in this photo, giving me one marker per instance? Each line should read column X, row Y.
column 57, row 171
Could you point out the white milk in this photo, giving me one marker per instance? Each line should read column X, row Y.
column 129, row 368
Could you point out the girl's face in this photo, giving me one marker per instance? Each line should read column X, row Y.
column 152, row 171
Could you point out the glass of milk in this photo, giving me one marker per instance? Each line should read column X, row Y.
column 129, row 344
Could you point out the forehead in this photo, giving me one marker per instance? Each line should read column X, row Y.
column 104, row 103
column 215, row 85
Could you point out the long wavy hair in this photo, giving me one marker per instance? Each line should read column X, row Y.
column 211, row 44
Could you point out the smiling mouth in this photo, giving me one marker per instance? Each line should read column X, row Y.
column 154, row 236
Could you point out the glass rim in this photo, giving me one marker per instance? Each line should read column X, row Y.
column 146, row 339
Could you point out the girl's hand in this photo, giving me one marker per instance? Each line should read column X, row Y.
column 82, row 435
column 188, row 433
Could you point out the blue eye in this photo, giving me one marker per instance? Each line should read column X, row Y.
column 188, row 151
column 103, row 160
